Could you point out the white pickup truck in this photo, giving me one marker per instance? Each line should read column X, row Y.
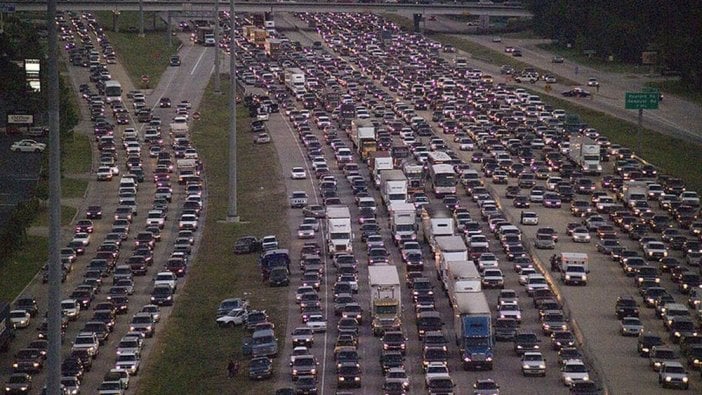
column 298, row 199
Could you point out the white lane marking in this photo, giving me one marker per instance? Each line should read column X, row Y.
column 197, row 63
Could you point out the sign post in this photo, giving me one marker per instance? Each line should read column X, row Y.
column 646, row 100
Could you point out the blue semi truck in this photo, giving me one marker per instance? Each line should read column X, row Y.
column 474, row 334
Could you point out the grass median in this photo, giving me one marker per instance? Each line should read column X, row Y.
column 191, row 354
column 147, row 55
column 17, row 271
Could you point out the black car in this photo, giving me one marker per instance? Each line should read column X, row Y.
column 94, row 212
column 525, row 341
column 584, row 388
column 260, row 368
column 391, row 359
column 72, row 366
column 394, row 341
column 348, row 374
column 306, row 385
column 626, row 307
column 162, row 295
column 28, row 304
column 646, row 341
column 174, row 61
column 246, row 245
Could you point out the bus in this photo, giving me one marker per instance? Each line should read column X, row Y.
column 442, row 179
column 113, row 91
column 438, row 158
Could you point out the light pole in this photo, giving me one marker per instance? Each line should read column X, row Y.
column 232, row 213
column 217, row 83
column 53, row 371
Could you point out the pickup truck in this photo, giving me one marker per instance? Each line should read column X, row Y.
column 298, row 199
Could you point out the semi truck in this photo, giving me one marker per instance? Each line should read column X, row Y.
column 461, row 277
column 363, row 137
column 6, row 329
column 379, row 161
column 585, row 154
column 473, row 326
column 393, row 186
column 294, row 79
column 339, row 233
column 446, row 249
column 416, row 177
column 403, row 221
column 436, row 221
column 385, row 300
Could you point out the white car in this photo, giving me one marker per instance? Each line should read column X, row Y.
column 533, row 363
column 27, row 145
column 317, row 323
column 574, row 370
column 529, row 218
column 435, row 369
column 581, row 235
column 19, row 318
column 509, row 310
column 314, row 222
column 593, row 82
column 104, row 173
column 305, row 231
column 82, row 237
column 262, row 138
column 233, row 318
column 129, row 362
column 187, row 221
column 298, row 173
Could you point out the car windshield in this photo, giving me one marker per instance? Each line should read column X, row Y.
column 575, row 368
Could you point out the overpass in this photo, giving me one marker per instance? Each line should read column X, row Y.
column 435, row 8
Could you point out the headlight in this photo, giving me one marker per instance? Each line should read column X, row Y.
column 567, row 276
column 668, row 378
column 684, row 379
column 525, row 366
column 542, row 366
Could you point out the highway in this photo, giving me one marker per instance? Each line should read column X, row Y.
column 590, row 308
column 186, row 82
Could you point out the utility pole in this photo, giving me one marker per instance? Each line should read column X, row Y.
column 53, row 366
column 232, row 213
column 217, row 83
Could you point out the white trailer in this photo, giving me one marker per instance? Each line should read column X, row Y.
column 447, row 249
column 393, row 186
column 585, row 153
column 385, row 298
column 403, row 221
column 436, row 221
column 461, row 277
column 339, row 232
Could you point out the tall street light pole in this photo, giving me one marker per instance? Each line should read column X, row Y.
column 53, row 368
column 232, row 213
column 217, row 83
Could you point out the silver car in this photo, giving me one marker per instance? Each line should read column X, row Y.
column 630, row 326
column 533, row 363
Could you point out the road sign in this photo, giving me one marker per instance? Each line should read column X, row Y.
column 641, row 100
column 7, row 8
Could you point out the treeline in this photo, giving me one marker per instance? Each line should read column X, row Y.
column 624, row 29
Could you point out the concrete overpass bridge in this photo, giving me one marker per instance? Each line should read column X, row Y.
column 435, row 8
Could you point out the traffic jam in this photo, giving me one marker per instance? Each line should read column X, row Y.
column 451, row 214
column 132, row 242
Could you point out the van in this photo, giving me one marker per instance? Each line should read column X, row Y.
column 264, row 343
column 128, row 182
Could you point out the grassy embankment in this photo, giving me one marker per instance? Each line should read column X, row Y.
column 192, row 352
column 140, row 55
column 670, row 154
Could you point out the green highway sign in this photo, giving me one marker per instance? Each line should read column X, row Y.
column 641, row 100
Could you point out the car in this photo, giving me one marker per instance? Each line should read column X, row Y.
column 630, row 326
column 315, row 210
column 574, row 370
column 485, row 387
column 302, row 336
column 260, row 368
column 528, row 218
column 305, row 231
column 129, row 362
column 246, row 245
column 576, row 92
column 298, row 173
column 174, row 61
column 557, row 59
column 306, row 385
column 626, row 306
column 592, row 81
column 435, row 369
column 262, row 138
column 581, row 235
column 20, row 318
column 533, row 363
column 27, row 145
column 94, row 212
column 18, row 383
column 673, row 374
column 317, row 323
column 348, row 374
